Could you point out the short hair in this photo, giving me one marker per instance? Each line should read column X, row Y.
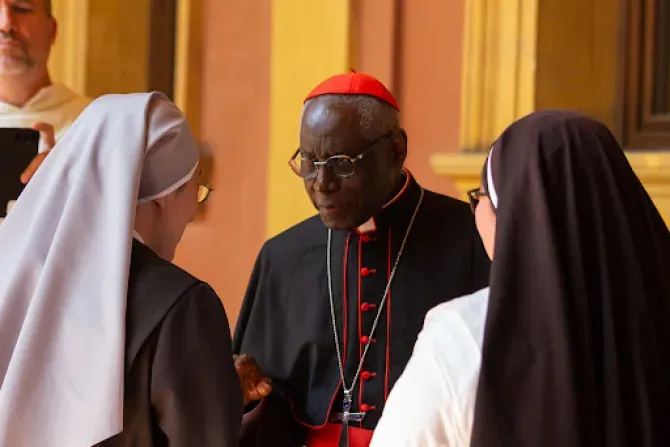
column 48, row 8
column 377, row 117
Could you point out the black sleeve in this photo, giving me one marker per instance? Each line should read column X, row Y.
column 248, row 304
column 272, row 424
column 195, row 390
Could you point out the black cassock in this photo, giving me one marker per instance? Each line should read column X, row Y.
column 285, row 321
column 181, row 387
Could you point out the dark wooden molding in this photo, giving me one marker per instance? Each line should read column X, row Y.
column 162, row 44
column 642, row 128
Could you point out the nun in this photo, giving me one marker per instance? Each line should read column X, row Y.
column 104, row 341
column 570, row 345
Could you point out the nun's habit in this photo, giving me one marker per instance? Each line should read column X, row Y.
column 571, row 344
column 101, row 338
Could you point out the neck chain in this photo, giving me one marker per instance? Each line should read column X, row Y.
column 346, row 415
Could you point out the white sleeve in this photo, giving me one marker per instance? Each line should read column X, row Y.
column 418, row 411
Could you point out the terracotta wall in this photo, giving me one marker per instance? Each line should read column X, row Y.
column 221, row 245
column 413, row 45
column 430, row 83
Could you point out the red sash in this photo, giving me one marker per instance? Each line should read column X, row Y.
column 329, row 436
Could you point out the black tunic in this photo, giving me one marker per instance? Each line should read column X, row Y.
column 181, row 387
column 576, row 348
column 285, row 321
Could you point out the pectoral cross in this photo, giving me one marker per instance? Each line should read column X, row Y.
column 345, row 417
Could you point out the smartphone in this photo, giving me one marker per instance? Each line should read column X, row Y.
column 18, row 147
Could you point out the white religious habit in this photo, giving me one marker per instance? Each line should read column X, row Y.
column 432, row 403
column 64, row 266
column 55, row 104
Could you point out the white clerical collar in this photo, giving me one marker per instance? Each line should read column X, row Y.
column 48, row 97
column 137, row 236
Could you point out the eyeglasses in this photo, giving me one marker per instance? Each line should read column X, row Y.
column 340, row 165
column 203, row 192
column 474, row 195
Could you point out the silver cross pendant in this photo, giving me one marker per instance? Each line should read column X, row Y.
column 346, row 416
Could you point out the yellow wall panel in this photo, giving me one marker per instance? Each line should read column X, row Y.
column 310, row 42
column 68, row 55
column 102, row 45
column 525, row 55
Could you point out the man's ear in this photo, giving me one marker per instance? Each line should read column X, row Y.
column 400, row 146
column 160, row 202
column 54, row 30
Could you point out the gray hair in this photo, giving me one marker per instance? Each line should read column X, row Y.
column 377, row 117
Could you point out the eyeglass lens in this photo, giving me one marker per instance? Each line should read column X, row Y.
column 203, row 193
column 339, row 165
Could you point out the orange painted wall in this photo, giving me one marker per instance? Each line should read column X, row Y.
column 221, row 245
column 429, row 83
column 415, row 47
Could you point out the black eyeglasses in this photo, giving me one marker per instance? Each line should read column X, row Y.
column 341, row 165
column 203, row 192
column 474, row 195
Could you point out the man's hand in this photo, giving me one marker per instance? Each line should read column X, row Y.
column 255, row 385
column 48, row 135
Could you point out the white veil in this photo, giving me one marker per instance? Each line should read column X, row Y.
column 64, row 265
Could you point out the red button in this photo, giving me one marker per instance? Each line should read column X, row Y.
column 365, row 238
column 367, row 375
column 365, row 408
column 367, row 306
column 365, row 340
column 367, row 272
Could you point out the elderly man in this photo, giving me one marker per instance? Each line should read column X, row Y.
column 335, row 303
column 28, row 98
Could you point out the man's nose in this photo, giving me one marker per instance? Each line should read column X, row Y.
column 7, row 24
column 326, row 180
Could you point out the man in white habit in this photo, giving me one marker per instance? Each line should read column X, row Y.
column 28, row 97
column 104, row 341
